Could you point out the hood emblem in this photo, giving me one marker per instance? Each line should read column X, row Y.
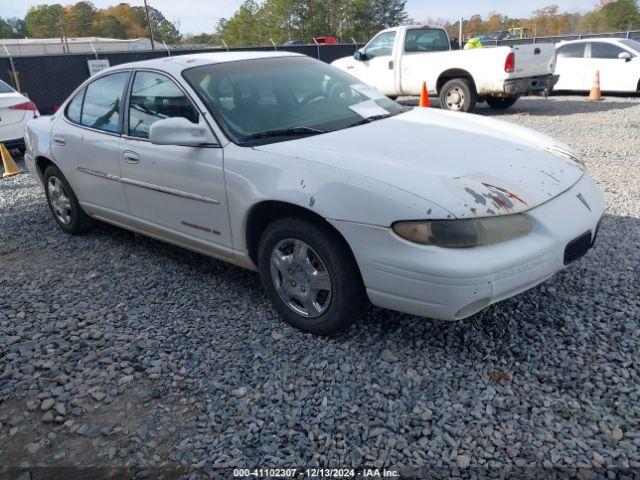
column 581, row 198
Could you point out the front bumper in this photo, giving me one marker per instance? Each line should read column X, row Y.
column 452, row 284
column 528, row 85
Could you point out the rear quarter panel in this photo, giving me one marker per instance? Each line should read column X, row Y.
column 37, row 143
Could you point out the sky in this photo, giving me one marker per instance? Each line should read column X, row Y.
column 196, row 16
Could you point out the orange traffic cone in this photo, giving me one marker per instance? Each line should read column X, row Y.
column 424, row 96
column 10, row 167
column 595, row 93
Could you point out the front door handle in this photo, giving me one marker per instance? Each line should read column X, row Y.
column 59, row 140
column 131, row 157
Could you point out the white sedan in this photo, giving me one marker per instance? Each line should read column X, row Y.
column 15, row 111
column 617, row 60
column 337, row 195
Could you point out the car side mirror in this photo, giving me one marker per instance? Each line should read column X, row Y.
column 360, row 56
column 180, row 131
column 626, row 56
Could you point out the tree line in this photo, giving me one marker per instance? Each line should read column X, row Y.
column 607, row 16
column 260, row 22
column 83, row 19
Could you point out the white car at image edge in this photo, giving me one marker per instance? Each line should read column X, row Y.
column 616, row 59
column 15, row 111
column 337, row 195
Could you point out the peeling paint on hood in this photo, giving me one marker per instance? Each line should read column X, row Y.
column 470, row 165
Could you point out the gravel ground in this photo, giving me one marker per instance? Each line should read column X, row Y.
column 117, row 350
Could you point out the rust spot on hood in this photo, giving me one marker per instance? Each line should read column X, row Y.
column 507, row 193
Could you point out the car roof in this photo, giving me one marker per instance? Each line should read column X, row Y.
column 177, row 63
column 595, row 39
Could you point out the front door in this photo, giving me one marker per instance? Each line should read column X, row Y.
column 378, row 69
column 616, row 74
column 176, row 192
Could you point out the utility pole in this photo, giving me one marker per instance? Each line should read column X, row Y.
column 146, row 11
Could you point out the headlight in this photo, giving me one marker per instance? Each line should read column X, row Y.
column 567, row 155
column 465, row 233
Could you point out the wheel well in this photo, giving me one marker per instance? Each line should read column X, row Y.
column 264, row 213
column 451, row 74
column 41, row 164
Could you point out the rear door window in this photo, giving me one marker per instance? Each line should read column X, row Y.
column 103, row 102
column 573, row 50
column 74, row 109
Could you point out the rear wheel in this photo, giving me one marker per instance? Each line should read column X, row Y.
column 63, row 203
column 458, row 95
column 501, row 102
column 310, row 276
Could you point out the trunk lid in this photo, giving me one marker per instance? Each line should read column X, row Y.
column 9, row 116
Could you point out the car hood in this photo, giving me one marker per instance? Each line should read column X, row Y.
column 469, row 165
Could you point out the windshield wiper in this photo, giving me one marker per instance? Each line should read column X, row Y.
column 372, row 118
column 286, row 132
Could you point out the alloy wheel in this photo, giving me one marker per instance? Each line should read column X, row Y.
column 59, row 200
column 300, row 277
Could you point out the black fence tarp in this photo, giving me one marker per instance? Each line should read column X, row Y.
column 49, row 79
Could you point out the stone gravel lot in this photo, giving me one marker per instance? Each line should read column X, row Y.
column 117, row 350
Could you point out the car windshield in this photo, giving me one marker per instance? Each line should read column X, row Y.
column 276, row 99
column 4, row 88
column 633, row 44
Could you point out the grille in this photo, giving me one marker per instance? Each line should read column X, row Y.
column 577, row 248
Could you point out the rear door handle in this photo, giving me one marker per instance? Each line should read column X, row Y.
column 59, row 140
column 131, row 157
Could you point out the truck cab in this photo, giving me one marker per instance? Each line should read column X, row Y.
column 398, row 60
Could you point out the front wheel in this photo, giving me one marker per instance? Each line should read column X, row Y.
column 310, row 276
column 458, row 95
column 501, row 102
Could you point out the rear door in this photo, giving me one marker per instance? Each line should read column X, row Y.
column 175, row 191
column 85, row 143
column 616, row 74
column 572, row 66
column 378, row 67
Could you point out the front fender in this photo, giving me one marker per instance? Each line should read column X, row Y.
column 254, row 176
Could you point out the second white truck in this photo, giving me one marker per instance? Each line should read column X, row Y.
column 398, row 60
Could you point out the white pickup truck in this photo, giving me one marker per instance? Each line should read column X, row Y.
column 398, row 60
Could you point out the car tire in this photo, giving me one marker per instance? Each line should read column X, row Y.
column 500, row 103
column 314, row 282
column 458, row 95
column 63, row 203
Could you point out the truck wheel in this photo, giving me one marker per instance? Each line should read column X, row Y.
column 458, row 95
column 501, row 102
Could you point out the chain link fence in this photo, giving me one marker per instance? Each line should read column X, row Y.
column 49, row 79
column 632, row 34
